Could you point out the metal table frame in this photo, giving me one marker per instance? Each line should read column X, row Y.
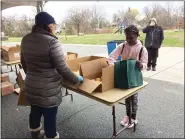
column 115, row 132
column 10, row 64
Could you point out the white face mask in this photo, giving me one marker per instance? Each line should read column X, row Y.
column 152, row 23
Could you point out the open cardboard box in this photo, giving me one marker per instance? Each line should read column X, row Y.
column 11, row 53
column 94, row 68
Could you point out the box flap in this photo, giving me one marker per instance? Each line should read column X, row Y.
column 71, row 86
column 15, row 48
column 95, row 57
column 11, row 48
column 71, row 53
column 107, row 78
column 93, row 69
column 74, row 64
column 108, row 73
column 88, row 86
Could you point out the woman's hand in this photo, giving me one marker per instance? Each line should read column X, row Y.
column 80, row 78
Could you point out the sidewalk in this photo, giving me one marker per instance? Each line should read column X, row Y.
column 170, row 65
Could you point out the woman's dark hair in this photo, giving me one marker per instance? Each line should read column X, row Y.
column 45, row 27
column 132, row 28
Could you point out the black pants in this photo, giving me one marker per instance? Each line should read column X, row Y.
column 133, row 106
column 49, row 119
column 152, row 57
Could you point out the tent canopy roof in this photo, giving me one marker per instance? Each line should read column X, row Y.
column 9, row 3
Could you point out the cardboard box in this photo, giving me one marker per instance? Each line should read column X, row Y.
column 4, row 78
column 98, row 69
column 92, row 69
column 71, row 55
column 11, row 53
column 21, row 79
column 6, row 88
column 22, row 101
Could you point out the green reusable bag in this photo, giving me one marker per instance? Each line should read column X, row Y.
column 127, row 75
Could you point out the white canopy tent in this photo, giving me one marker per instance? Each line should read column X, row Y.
column 5, row 4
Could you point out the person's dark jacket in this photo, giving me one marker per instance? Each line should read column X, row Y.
column 43, row 61
column 154, row 36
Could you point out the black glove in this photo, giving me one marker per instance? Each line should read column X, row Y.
column 139, row 65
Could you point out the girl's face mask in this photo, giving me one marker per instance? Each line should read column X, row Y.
column 152, row 23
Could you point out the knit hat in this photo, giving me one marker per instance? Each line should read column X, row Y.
column 43, row 18
column 153, row 19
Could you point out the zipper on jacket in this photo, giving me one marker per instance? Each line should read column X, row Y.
column 152, row 38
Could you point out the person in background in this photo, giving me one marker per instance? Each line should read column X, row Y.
column 130, row 49
column 153, row 41
column 43, row 61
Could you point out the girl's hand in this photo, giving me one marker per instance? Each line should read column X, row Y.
column 139, row 65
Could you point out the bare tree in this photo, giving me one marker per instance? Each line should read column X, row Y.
column 8, row 25
column 78, row 16
column 148, row 13
column 130, row 15
column 121, row 14
column 169, row 9
column 34, row 10
column 115, row 17
column 96, row 15
column 167, row 16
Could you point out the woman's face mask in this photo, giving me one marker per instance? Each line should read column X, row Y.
column 53, row 28
column 152, row 23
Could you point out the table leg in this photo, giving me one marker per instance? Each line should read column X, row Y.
column 67, row 94
column 16, row 72
column 20, row 66
column 114, row 121
column 11, row 69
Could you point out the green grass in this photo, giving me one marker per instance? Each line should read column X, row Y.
column 172, row 39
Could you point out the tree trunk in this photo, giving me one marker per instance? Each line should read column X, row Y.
column 78, row 29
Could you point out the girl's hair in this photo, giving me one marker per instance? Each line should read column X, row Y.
column 45, row 27
column 132, row 28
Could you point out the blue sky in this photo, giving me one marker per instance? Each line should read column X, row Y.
column 58, row 9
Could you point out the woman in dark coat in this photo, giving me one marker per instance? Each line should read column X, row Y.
column 43, row 61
